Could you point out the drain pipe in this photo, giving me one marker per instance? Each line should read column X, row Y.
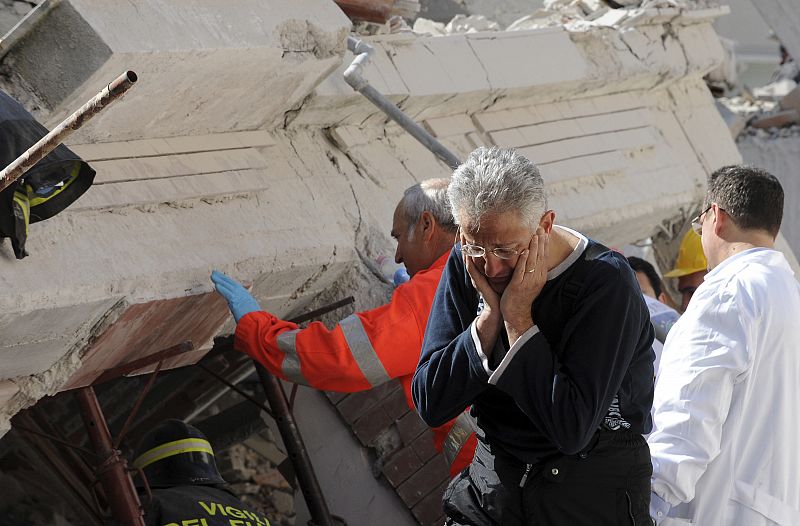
column 353, row 75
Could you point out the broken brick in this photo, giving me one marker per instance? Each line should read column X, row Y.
column 370, row 424
column 410, row 427
column 401, row 466
column 424, row 481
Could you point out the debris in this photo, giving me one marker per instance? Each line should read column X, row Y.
column 791, row 100
column 582, row 15
column 736, row 122
column 423, row 26
column 775, row 90
column 777, row 120
column 724, row 78
column 459, row 24
column 470, row 24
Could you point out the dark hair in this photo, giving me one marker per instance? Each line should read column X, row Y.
column 752, row 197
column 640, row 265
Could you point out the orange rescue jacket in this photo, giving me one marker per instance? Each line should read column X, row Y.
column 363, row 351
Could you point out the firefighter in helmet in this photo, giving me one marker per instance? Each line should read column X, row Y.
column 178, row 463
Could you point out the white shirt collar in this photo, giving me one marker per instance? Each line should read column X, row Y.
column 559, row 269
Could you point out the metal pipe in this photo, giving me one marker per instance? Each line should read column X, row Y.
column 137, row 405
column 57, row 135
column 141, row 363
column 56, row 440
column 235, row 389
column 245, row 369
column 113, row 471
column 295, row 448
column 353, row 75
column 71, row 471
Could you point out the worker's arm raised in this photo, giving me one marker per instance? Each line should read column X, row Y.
column 362, row 351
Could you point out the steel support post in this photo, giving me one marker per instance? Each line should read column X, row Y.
column 112, row 472
column 295, row 448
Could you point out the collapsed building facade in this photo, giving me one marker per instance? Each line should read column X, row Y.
column 242, row 149
column 765, row 120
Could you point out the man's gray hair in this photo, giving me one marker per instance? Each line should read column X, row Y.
column 496, row 180
column 429, row 195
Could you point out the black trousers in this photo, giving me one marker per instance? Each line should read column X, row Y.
column 607, row 484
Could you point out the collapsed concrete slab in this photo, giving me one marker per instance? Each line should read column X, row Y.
column 601, row 111
column 265, row 55
column 242, row 149
column 619, row 120
column 245, row 64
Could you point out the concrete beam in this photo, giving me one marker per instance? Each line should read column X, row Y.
column 446, row 75
column 197, row 62
column 188, row 182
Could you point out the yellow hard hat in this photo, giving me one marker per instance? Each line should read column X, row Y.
column 690, row 257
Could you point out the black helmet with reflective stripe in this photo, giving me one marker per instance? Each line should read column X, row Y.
column 176, row 454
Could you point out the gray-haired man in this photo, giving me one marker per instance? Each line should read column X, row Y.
column 546, row 334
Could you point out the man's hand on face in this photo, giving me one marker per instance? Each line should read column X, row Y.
column 530, row 275
column 489, row 321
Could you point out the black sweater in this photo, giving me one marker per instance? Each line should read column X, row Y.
column 589, row 365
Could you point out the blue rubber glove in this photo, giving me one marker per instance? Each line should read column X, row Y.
column 240, row 302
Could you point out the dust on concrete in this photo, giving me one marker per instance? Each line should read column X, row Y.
column 303, row 36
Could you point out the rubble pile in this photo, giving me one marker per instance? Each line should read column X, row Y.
column 771, row 110
column 581, row 15
column 256, row 480
column 574, row 15
column 459, row 24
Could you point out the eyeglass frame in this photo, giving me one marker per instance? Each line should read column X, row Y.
column 512, row 251
column 697, row 225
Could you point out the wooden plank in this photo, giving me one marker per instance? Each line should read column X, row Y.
column 146, row 328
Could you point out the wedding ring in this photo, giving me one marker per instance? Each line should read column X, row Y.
column 531, row 270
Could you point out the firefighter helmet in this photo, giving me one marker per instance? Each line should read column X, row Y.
column 690, row 257
column 176, row 454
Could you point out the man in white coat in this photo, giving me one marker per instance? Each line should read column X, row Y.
column 726, row 445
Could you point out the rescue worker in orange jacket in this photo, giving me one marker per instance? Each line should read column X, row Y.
column 367, row 348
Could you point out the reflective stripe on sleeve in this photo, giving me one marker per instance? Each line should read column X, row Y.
column 169, row 449
column 362, row 351
column 458, row 435
column 287, row 342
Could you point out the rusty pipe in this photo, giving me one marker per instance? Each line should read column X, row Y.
column 126, row 508
column 57, row 135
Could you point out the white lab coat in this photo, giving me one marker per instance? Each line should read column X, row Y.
column 726, row 445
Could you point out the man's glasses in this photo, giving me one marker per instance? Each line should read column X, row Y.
column 697, row 223
column 476, row 251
